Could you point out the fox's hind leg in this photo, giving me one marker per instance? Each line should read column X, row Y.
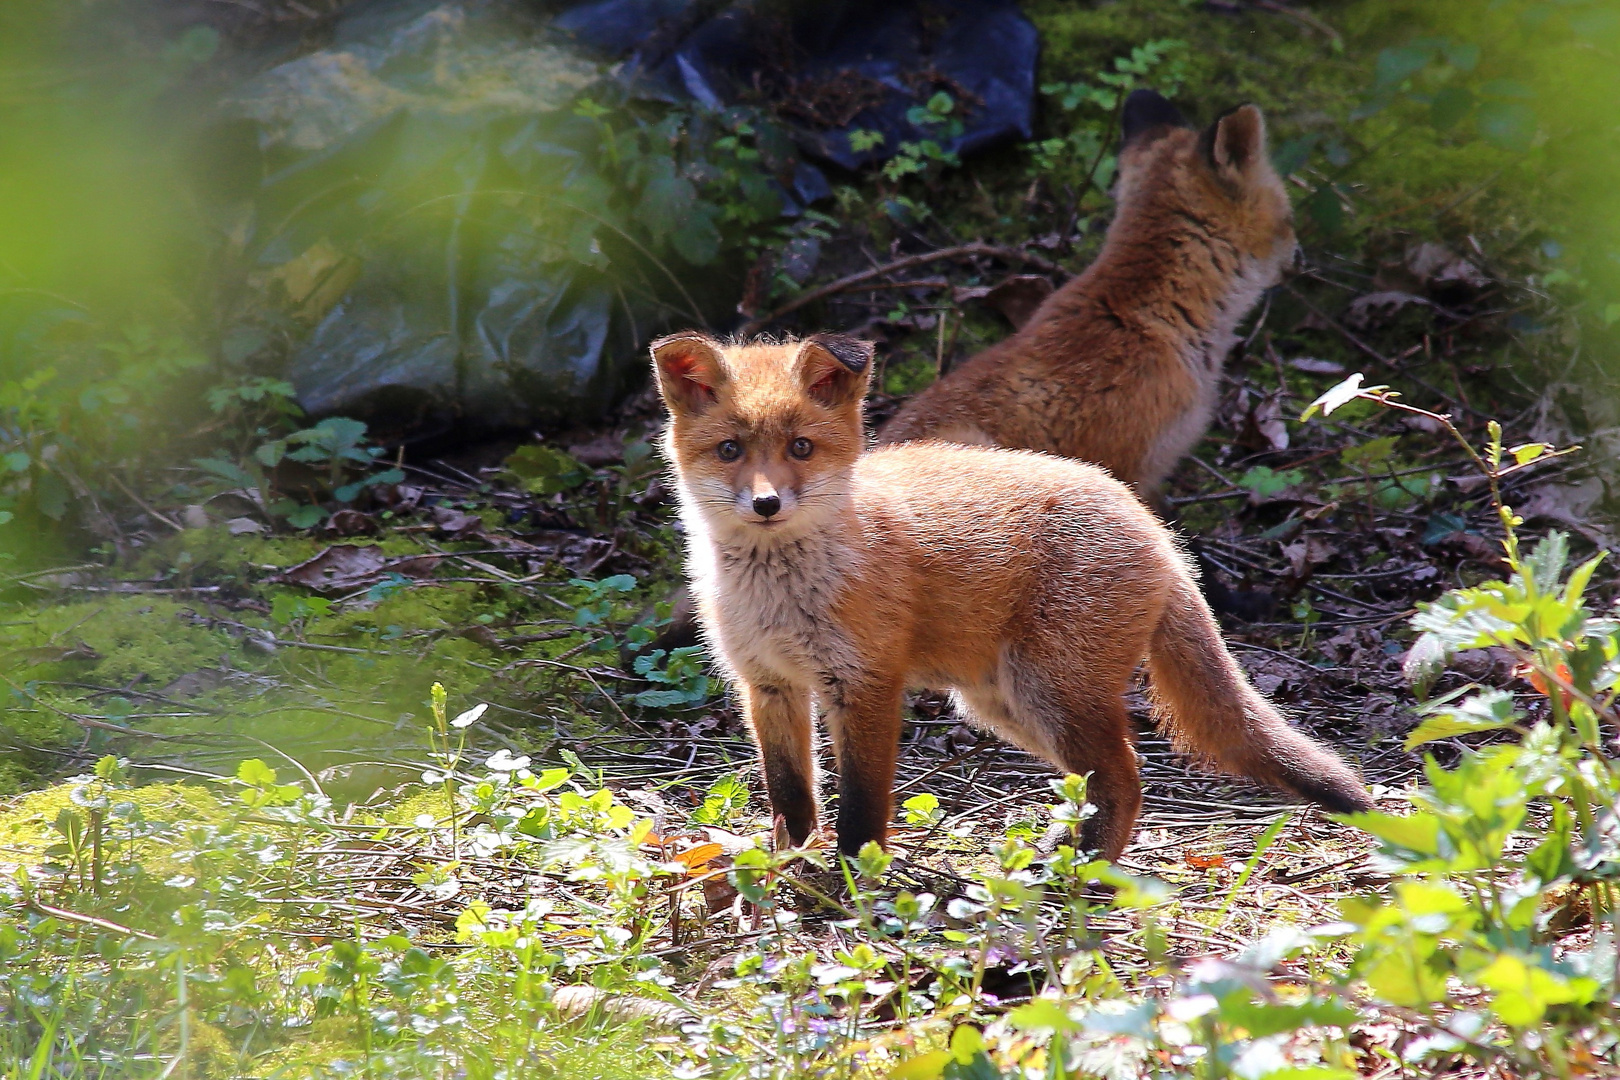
column 1095, row 738
column 779, row 716
column 1079, row 729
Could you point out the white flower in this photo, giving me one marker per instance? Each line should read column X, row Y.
column 470, row 717
column 503, row 761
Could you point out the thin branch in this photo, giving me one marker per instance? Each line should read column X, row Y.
column 144, row 505
column 844, row 284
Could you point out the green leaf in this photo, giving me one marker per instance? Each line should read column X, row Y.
column 305, row 517
column 1291, row 155
column 1528, row 451
column 1546, row 563
column 929, row 1066
column 1264, row 482
column 255, row 773
column 545, row 470
column 1575, row 588
column 51, row 495
column 922, row 809
column 1418, row 832
column 666, row 199
column 1333, row 398
column 1508, row 124
column 270, row 454
column 1488, row 711
column 1325, row 209
column 17, row 461
column 1395, row 66
column 1450, row 107
column 662, row 699
column 1462, row 55
column 1370, row 454
column 1042, row 1014
column 695, row 237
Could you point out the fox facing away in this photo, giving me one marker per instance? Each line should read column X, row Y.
column 1030, row 586
column 1121, row 367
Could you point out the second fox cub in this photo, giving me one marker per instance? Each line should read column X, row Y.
column 1121, row 367
column 1029, row 585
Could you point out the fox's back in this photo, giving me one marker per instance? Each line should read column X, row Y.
column 994, row 516
column 1121, row 366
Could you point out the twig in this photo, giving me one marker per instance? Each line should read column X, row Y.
column 87, row 920
column 1361, row 345
column 1304, row 18
column 843, row 284
column 144, row 505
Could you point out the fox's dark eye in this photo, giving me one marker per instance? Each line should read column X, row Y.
column 730, row 450
column 801, row 447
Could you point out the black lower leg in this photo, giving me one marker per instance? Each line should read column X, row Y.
column 792, row 796
column 864, row 806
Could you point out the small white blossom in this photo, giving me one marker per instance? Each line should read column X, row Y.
column 470, row 717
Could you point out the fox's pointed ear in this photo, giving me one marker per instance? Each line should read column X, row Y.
column 835, row 368
column 689, row 370
column 1146, row 111
column 1236, row 141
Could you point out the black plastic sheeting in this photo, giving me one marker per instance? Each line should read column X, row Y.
column 432, row 209
column 893, row 54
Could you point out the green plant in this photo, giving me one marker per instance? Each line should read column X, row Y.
column 922, row 156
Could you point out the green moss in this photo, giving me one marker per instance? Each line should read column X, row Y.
column 25, row 820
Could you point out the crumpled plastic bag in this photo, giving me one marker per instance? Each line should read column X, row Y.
column 433, row 219
column 836, row 67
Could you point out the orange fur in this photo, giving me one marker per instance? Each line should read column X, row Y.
column 1121, row 367
column 1030, row 585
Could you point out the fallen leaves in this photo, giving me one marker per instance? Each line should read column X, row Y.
column 344, row 568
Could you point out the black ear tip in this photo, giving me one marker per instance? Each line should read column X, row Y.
column 852, row 352
column 1146, row 110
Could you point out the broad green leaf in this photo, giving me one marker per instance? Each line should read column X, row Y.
column 1448, row 726
column 1394, row 66
column 1451, row 105
column 1576, row 587
column 1265, row 482
column 1528, row 452
column 1370, row 454
column 1508, row 124
column 1489, row 710
column 1042, row 1014
column 255, row 773
column 1418, row 832
column 929, row 1066
column 545, row 470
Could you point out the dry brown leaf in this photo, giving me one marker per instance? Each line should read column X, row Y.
column 346, row 567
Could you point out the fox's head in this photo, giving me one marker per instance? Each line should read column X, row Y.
column 1221, row 178
column 763, row 436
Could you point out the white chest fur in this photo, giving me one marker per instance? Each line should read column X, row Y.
column 767, row 607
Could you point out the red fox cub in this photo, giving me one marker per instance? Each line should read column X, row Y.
column 1029, row 585
column 1121, row 367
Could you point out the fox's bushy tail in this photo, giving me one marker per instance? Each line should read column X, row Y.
column 1204, row 702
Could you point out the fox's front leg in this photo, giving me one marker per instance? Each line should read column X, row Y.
column 865, row 726
column 779, row 716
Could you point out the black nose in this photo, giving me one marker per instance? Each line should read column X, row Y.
column 766, row 505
